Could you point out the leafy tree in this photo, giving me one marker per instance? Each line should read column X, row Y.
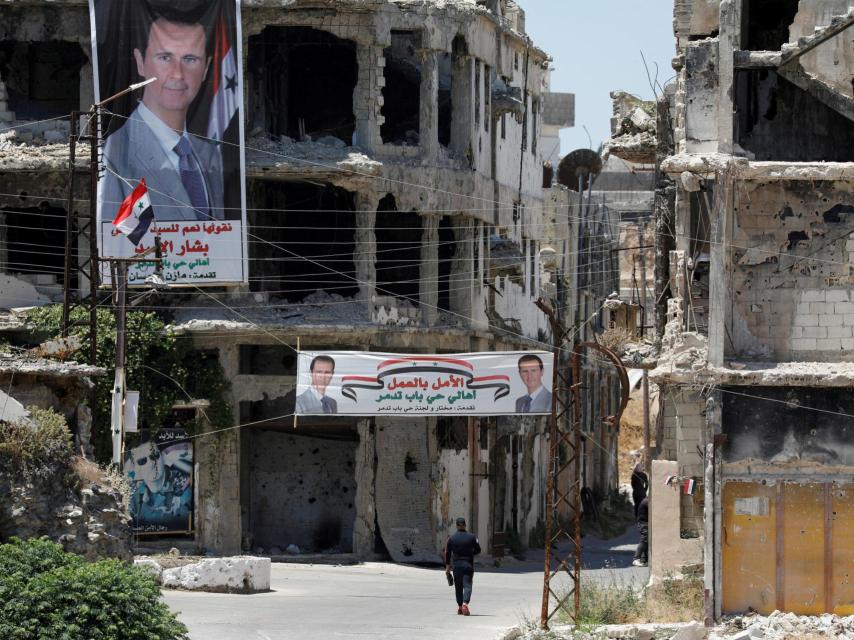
column 158, row 363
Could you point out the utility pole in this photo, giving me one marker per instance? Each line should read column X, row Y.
column 119, row 269
column 88, row 228
column 117, row 416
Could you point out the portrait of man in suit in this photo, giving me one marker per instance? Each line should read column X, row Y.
column 183, row 171
column 538, row 399
column 314, row 399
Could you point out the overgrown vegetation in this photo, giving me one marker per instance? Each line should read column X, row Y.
column 671, row 600
column 614, row 515
column 46, row 593
column 37, row 451
column 161, row 365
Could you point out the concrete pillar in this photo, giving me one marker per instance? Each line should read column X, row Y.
column 217, row 512
column 364, row 528
column 728, row 41
column 462, row 107
column 365, row 251
column 428, row 287
column 720, row 297
column 367, row 97
column 429, row 107
column 463, row 268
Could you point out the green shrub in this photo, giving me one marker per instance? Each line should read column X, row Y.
column 36, row 451
column 47, row 594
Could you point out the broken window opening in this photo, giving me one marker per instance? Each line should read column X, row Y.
column 446, row 108
column 766, row 23
column 777, row 120
column 447, row 251
column 35, row 241
column 527, row 104
column 267, row 360
column 398, row 263
column 402, row 91
column 452, row 433
column 487, row 95
column 309, row 240
column 477, row 93
column 41, row 78
column 503, row 126
column 535, row 117
column 303, row 81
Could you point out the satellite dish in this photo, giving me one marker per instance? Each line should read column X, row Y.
column 581, row 163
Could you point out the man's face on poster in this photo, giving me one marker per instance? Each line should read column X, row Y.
column 146, row 466
column 531, row 372
column 321, row 374
column 175, row 55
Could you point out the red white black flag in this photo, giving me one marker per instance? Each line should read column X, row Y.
column 136, row 214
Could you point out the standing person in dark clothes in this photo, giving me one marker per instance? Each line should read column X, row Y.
column 460, row 551
column 642, row 551
column 640, row 482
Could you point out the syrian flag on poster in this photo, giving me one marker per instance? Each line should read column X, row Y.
column 225, row 95
column 136, row 214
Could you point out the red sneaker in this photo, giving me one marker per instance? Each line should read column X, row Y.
column 459, row 611
column 465, row 609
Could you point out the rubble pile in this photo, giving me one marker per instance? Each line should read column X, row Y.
column 322, row 154
column 784, row 626
column 776, row 626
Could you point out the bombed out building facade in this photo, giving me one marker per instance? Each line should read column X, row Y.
column 396, row 202
column 754, row 266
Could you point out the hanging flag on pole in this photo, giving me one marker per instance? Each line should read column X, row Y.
column 136, row 214
column 225, row 95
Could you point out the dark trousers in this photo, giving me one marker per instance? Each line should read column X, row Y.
column 636, row 498
column 642, row 551
column 463, row 576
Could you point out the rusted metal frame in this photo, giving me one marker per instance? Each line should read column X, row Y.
column 557, row 435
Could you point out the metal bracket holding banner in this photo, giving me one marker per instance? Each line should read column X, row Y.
column 564, row 481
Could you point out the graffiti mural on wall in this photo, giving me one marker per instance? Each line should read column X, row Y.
column 160, row 470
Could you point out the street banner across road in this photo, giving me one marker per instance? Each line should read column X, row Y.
column 358, row 383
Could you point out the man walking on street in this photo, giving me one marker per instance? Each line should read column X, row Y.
column 460, row 551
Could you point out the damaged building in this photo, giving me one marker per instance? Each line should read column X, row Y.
column 754, row 465
column 395, row 203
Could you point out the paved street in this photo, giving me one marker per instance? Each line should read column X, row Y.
column 385, row 600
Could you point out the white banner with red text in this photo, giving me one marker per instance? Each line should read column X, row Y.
column 358, row 383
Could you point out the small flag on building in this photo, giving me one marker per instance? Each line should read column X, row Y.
column 135, row 215
column 689, row 486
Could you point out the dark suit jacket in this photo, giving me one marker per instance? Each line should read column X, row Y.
column 133, row 152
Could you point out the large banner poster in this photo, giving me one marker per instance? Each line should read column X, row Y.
column 160, row 471
column 473, row 384
column 172, row 151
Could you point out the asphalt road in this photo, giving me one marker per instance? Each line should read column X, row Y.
column 385, row 600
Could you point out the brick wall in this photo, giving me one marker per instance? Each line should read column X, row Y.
column 683, row 432
column 791, row 283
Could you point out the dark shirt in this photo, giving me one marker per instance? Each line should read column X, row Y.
column 643, row 512
column 640, row 483
column 462, row 547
